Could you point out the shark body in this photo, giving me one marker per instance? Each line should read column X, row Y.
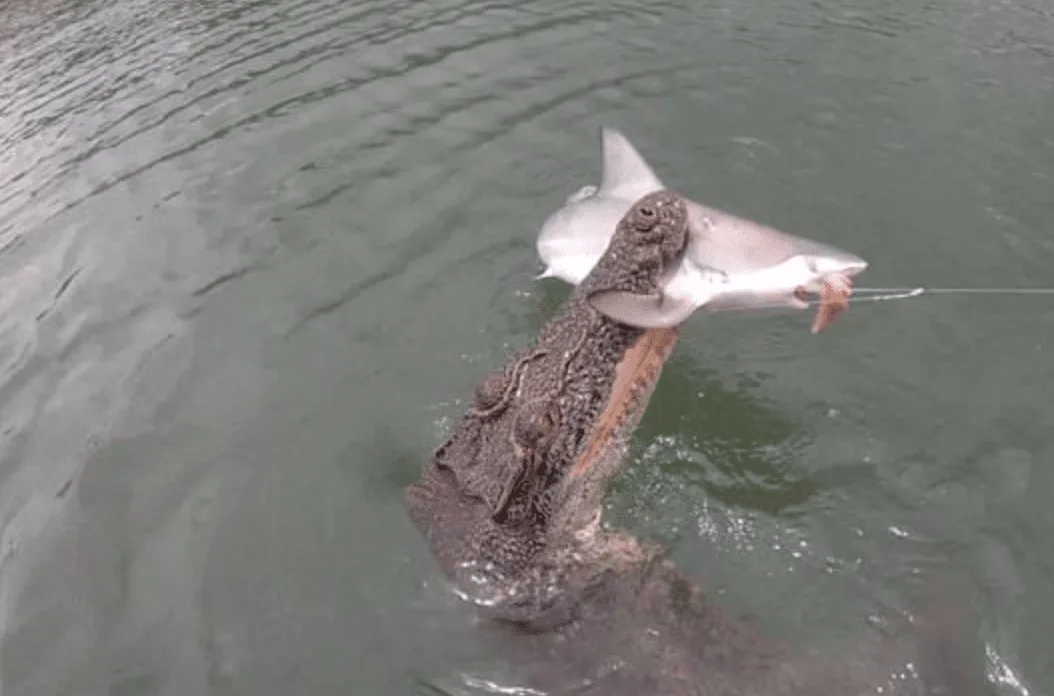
column 731, row 263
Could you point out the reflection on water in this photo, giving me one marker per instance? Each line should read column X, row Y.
column 253, row 255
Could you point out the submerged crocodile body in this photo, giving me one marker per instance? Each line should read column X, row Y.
column 511, row 502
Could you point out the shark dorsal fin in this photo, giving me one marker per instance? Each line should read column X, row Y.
column 625, row 173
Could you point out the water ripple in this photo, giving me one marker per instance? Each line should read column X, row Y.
column 77, row 90
column 199, row 202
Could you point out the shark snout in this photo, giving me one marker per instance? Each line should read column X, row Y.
column 837, row 262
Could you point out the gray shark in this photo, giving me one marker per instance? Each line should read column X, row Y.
column 731, row 263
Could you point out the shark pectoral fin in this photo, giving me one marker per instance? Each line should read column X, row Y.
column 652, row 311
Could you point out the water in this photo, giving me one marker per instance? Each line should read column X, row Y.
column 255, row 255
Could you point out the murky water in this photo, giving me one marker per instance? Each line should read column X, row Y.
column 254, row 255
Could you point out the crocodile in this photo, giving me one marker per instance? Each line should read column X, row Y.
column 510, row 505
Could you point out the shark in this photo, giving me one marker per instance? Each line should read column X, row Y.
column 731, row 263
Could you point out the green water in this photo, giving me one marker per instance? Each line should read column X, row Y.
column 255, row 255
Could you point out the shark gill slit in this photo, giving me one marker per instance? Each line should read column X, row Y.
column 635, row 376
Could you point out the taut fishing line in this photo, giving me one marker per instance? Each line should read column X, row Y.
column 882, row 294
column 915, row 292
column 885, row 294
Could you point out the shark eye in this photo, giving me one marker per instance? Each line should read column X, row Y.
column 534, row 424
column 490, row 391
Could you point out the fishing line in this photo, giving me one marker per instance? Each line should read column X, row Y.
column 885, row 294
column 882, row 294
column 907, row 293
column 915, row 292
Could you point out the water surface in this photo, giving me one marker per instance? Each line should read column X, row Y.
column 255, row 255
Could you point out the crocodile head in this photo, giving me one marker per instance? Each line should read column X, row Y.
column 520, row 480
